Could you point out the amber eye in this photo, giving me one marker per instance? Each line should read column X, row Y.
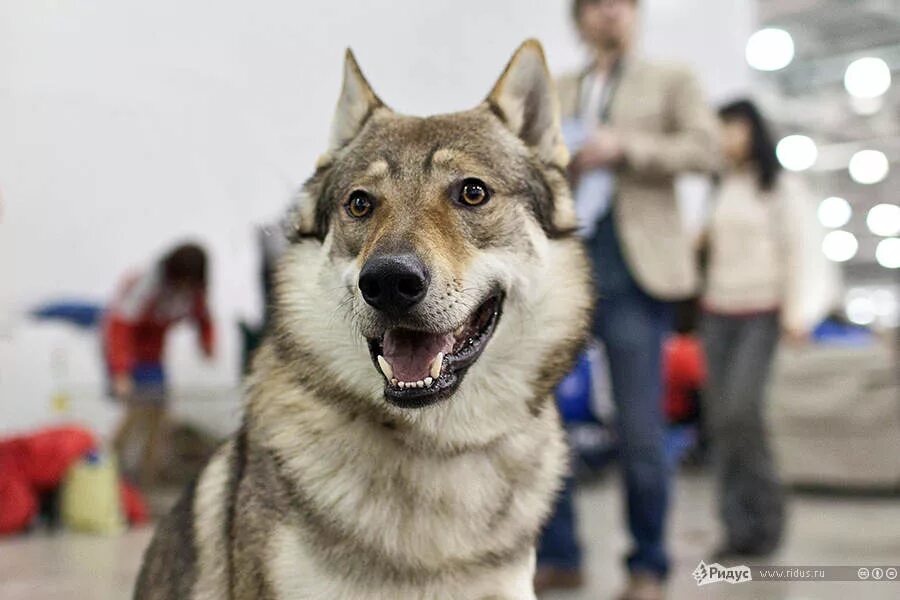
column 360, row 204
column 473, row 192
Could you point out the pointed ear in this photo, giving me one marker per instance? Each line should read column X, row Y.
column 525, row 98
column 355, row 106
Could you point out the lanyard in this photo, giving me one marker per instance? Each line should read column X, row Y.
column 608, row 93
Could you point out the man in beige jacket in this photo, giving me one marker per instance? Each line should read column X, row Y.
column 642, row 124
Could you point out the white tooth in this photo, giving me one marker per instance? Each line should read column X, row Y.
column 428, row 381
column 401, row 384
column 385, row 367
column 420, row 383
column 436, row 365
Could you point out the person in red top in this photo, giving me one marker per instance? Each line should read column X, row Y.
column 134, row 333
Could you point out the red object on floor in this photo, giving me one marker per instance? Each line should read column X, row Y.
column 18, row 501
column 33, row 464
column 50, row 453
column 133, row 504
column 37, row 463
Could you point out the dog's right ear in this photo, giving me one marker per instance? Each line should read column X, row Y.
column 355, row 106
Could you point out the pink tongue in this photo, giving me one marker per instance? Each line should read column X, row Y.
column 411, row 353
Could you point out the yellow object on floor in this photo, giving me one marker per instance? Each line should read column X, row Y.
column 89, row 499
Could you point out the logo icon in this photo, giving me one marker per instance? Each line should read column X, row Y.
column 716, row 573
column 701, row 573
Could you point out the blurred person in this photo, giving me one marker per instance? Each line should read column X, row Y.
column 764, row 280
column 633, row 126
column 145, row 307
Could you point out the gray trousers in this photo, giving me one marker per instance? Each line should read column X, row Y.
column 739, row 353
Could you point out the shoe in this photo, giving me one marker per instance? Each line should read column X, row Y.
column 557, row 578
column 643, row 586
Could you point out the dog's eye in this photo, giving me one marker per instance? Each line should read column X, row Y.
column 360, row 204
column 473, row 192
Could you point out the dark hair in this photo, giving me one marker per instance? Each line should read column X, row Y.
column 577, row 6
column 762, row 148
column 185, row 263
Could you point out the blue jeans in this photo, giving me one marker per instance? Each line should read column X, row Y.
column 631, row 326
column 558, row 545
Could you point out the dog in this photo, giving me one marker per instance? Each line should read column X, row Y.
column 400, row 438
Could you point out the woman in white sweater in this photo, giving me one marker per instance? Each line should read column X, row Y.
column 764, row 265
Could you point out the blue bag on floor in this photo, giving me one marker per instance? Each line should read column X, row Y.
column 575, row 392
column 591, row 439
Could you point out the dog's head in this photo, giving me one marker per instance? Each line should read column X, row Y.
column 439, row 250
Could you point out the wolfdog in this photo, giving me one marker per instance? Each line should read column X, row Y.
column 400, row 438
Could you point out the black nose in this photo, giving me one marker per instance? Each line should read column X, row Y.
column 394, row 283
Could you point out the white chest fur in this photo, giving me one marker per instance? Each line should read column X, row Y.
column 296, row 576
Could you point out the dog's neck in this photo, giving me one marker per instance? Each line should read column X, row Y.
column 411, row 510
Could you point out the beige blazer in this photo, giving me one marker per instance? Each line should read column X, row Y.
column 667, row 128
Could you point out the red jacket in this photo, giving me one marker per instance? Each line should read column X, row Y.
column 135, row 325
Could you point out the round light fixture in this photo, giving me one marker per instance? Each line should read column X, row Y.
column 840, row 246
column 868, row 167
column 866, row 107
column 770, row 49
column 797, row 152
column 834, row 212
column 867, row 77
column 861, row 310
column 887, row 253
column 884, row 220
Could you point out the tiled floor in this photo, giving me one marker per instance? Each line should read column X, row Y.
column 823, row 531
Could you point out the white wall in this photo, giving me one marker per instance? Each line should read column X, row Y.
column 127, row 125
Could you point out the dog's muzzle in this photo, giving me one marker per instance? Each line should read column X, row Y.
column 423, row 367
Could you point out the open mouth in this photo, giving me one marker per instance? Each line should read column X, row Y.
column 421, row 368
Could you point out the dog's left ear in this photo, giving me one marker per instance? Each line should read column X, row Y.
column 525, row 99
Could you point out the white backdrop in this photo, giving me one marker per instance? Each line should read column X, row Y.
column 125, row 126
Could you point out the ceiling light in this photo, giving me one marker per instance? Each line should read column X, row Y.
column 868, row 166
column 770, row 49
column 887, row 253
column 797, row 152
column 840, row 246
column 884, row 220
column 834, row 212
column 868, row 77
column 866, row 107
column 861, row 310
